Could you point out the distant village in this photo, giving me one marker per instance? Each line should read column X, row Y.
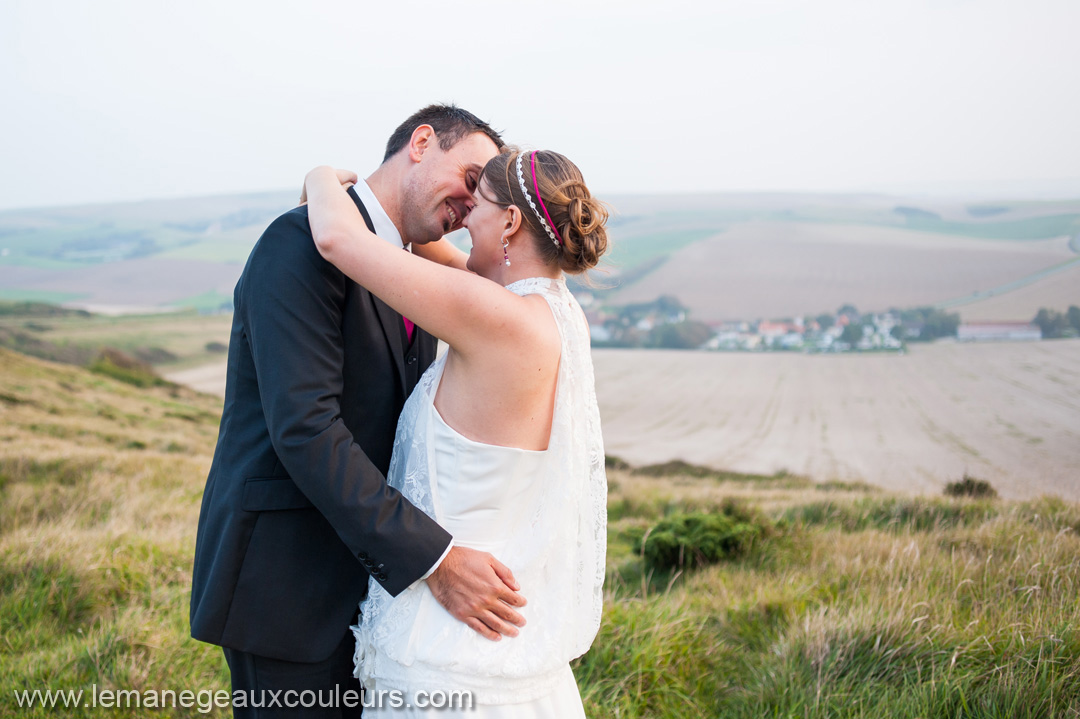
column 665, row 323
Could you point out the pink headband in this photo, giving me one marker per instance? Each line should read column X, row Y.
column 548, row 225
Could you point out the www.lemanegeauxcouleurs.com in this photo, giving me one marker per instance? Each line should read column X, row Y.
column 206, row 700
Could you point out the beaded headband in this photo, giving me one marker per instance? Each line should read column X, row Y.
column 549, row 228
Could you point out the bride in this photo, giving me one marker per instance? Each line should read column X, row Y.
column 500, row 442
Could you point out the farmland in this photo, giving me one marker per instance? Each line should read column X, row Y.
column 1005, row 412
column 768, row 270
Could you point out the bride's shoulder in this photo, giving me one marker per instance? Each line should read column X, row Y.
column 537, row 324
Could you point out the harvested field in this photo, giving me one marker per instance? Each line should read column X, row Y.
column 768, row 270
column 1006, row 413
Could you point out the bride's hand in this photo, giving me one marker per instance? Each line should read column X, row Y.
column 347, row 178
column 479, row 590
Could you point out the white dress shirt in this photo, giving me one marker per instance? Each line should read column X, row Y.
column 384, row 226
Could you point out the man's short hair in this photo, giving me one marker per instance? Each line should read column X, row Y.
column 450, row 124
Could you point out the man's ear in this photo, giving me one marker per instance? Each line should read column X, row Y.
column 421, row 141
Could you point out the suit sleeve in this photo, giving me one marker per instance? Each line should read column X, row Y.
column 291, row 304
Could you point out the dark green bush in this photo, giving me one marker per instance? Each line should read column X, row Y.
column 697, row 539
column 613, row 462
column 970, row 487
column 114, row 363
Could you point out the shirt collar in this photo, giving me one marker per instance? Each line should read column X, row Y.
column 384, row 227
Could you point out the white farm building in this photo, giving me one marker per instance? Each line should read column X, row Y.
column 998, row 332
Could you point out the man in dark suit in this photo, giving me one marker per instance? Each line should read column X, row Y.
column 296, row 514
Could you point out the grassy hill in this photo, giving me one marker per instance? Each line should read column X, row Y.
column 169, row 341
column 824, row 600
column 99, row 495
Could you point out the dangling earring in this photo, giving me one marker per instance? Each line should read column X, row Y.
column 506, row 257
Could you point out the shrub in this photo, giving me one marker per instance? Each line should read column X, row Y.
column 697, row 539
column 676, row 467
column 610, row 461
column 114, row 363
column 154, row 355
column 970, row 487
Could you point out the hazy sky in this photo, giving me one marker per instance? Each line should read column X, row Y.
column 108, row 101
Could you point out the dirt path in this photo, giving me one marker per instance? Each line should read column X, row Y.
column 209, row 378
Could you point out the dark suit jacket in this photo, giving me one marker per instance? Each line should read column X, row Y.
column 296, row 511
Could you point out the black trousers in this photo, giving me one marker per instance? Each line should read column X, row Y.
column 274, row 689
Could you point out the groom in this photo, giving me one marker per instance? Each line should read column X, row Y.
column 297, row 514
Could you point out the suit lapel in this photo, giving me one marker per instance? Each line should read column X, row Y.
column 389, row 319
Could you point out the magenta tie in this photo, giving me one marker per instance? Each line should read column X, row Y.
column 408, row 327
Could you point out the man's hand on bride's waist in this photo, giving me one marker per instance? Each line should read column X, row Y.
column 480, row 591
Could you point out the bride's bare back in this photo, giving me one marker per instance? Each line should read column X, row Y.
column 503, row 392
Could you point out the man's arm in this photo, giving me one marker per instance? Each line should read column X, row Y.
column 291, row 304
column 442, row 252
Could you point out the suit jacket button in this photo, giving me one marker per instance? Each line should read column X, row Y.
column 411, row 360
column 362, row 556
column 381, row 576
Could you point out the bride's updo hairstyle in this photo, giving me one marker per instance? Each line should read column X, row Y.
column 566, row 221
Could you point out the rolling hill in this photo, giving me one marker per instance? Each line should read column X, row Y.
column 731, row 256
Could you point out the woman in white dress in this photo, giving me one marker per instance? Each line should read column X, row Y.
column 500, row 442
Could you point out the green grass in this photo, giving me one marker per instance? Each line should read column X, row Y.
column 886, row 513
column 946, row 611
column 99, row 491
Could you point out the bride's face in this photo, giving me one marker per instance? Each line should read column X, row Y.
column 488, row 223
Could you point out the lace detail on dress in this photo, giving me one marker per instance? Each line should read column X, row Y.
column 557, row 551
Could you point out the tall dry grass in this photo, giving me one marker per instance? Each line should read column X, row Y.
column 99, row 497
column 866, row 606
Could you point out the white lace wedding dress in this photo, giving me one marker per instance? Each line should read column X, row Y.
column 542, row 513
